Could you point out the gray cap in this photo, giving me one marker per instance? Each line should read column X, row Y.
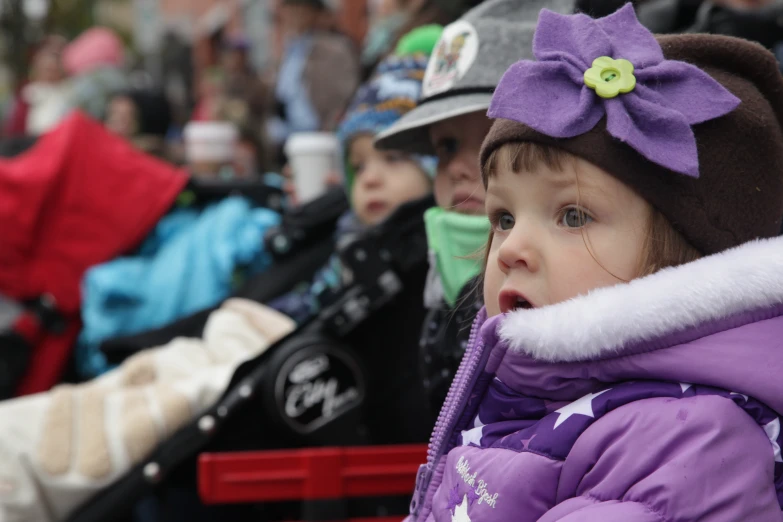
column 466, row 66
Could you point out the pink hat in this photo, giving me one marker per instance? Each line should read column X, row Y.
column 94, row 48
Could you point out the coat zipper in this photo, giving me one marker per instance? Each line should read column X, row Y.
column 447, row 417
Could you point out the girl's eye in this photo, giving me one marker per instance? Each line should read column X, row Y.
column 575, row 218
column 503, row 221
column 446, row 149
column 394, row 157
column 357, row 168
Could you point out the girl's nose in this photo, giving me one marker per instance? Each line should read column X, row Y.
column 520, row 248
column 372, row 176
column 461, row 169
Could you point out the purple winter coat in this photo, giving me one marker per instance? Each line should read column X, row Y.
column 657, row 400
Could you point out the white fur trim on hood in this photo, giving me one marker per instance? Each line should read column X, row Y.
column 748, row 277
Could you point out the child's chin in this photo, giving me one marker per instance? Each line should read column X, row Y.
column 374, row 218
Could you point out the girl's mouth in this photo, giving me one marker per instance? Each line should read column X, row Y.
column 510, row 300
column 375, row 207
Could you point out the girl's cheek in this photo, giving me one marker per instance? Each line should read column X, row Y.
column 492, row 283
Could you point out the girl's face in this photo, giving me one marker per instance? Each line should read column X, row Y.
column 121, row 116
column 457, row 143
column 539, row 253
column 47, row 68
column 383, row 180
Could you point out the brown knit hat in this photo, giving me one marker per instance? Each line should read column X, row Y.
column 738, row 194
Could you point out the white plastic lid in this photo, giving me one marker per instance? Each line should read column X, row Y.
column 213, row 130
column 312, row 143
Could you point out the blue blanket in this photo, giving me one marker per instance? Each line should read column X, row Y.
column 186, row 265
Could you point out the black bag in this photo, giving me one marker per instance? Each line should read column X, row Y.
column 14, row 146
column 21, row 326
column 203, row 191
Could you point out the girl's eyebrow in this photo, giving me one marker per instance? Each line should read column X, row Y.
column 561, row 179
column 564, row 179
column 558, row 179
column 492, row 188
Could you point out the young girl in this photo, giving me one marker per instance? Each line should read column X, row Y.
column 626, row 366
column 451, row 122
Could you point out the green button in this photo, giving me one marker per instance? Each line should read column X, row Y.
column 609, row 77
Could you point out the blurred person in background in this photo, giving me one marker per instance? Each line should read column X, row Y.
column 48, row 94
column 95, row 63
column 757, row 20
column 388, row 18
column 242, row 84
column 211, row 93
column 394, row 18
column 244, row 98
column 225, row 99
column 318, row 74
column 142, row 116
column 46, row 69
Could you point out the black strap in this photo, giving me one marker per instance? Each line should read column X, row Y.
column 378, row 261
column 456, row 92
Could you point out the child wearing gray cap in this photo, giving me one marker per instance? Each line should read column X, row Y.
column 450, row 121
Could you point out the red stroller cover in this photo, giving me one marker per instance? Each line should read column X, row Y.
column 81, row 196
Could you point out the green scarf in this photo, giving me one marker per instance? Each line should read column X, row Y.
column 457, row 241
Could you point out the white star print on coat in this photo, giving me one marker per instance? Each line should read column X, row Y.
column 773, row 432
column 472, row 436
column 461, row 512
column 583, row 406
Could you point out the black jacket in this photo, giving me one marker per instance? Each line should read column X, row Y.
column 443, row 341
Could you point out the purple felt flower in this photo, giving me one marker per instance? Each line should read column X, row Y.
column 654, row 117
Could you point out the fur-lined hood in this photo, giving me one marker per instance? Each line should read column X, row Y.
column 716, row 321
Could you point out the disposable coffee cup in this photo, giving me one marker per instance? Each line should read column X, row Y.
column 312, row 156
column 210, row 141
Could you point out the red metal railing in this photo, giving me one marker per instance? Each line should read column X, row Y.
column 311, row 474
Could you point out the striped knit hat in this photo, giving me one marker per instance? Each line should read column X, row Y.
column 393, row 90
